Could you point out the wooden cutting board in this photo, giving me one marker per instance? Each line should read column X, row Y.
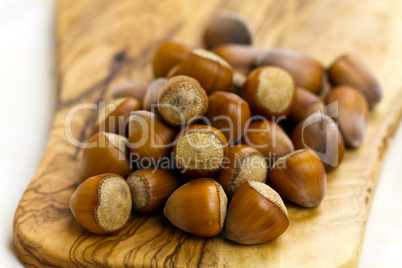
column 103, row 43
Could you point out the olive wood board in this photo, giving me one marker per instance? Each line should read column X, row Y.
column 102, row 43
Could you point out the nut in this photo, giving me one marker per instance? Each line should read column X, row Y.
column 270, row 91
column 151, row 187
column 268, row 138
column 256, row 214
column 134, row 90
column 200, row 150
column 306, row 72
column 241, row 57
column 108, row 156
column 167, row 55
column 237, row 82
column 150, row 138
column 349, row 71
column 198, row 207
column 299, row 177
column 305, row 105
column 229, row 113
column 114, row 115
column 151, row 96
column 320, row 133
column 182, row 100
column 353, row 114
column 245, row 163
column 230, row 28
column 210, row 70
column 102, row 204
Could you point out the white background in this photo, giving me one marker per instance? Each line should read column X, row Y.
column 27, row 103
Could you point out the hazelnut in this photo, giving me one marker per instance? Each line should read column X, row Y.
column 102, row 204
column 109, row 155
column 270, row 91
column 299, row 177
column 229, row 113
column 256, row 214
column 237, row 82
column 305, row 105
column 349, row 71
column 182, row 100
column 241, row 57
column 114, row 115
column 268, row 138
column 151, row 96
column 230, row 28
column 245, row 163
column 198, row 207
column 151, row 187
column 210, row 70
column 320, row 133
column 352, row 114
column 134, row 90
column 150, row 138
column 167, row 55
column 306, row 72
column 200, row 150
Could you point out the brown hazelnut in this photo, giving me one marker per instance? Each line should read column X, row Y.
column 102, row 204
column 270, row 91
column 210, row 70
column 168, row 54
column 226, row 29
column 299, row 177
column 108, row 155
column 151, row 96
column 349, row 71
column 306, row 104
column 200, row 150
column 320, row 133
column 151, row 187
column 237, row 82
column 268, row 138
column 182, row 100
column 150, row 138
column 241, row 57
column 198, row 207
column 113, row 117
column 245, row 163
column 229, row 113
column 135, row 89
column 306, row 72
column 352, row 114
column 256, row 214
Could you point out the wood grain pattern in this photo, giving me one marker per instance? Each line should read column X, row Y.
column 104, row 43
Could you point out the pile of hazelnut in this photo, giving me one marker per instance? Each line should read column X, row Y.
column 229, row 122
